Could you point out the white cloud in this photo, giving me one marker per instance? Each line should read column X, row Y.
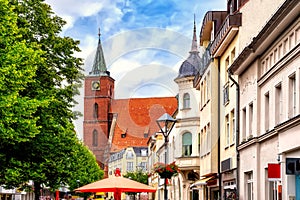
column 142, row 52
column 72, row 10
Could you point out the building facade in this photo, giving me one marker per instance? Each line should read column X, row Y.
column 268, row 71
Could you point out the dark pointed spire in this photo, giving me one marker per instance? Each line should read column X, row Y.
column 99, row 66
column 194, row 42
column 191, row 66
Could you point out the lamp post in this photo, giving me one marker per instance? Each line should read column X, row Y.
column 166, row 123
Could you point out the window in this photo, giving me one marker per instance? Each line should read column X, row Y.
column 226, row 94
column 129, row 155
column 270, row 187
column 186, row 100
column 227, row 131
column 205, row 141
column 143, row 166
column 208, row 141
column 204, row 91
column 208, row 85
column 267, row 102
column 129, row 166
column 233, row 5
column 202, row 95
column 249, row 185
column 199, row 142
column 250, row 119
column 95, row 138
column 244, row 124
column 144, row 152
column 278, row 103
column 226, row 72
column 232, row 125
column 232, row 56
column 186, row 144
column 202, row 137
column 292, row 96
column 95, row 111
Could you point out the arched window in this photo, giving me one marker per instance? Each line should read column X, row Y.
column 186, row 144
column 95, row 110
column 186, row 100
column 95, row 138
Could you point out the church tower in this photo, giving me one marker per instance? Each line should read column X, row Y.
column 98, row 96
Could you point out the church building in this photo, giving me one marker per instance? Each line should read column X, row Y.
column 111, row 125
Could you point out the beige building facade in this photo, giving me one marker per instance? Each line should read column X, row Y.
column 268, row 75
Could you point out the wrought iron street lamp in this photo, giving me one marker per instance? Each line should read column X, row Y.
column 166, row 124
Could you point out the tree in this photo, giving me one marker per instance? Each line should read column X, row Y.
column 138, row 176
column 39, row 78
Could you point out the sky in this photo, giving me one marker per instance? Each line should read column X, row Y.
column 144, row 41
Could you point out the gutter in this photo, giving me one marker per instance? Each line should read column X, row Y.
column 237, row 131
column 219, row 133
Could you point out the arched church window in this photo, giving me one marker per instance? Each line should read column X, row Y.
column 95, row 110
column 95, row 138
column 186, row 100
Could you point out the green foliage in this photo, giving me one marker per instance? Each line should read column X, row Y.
column 18, row 64
column 138, row 176
column 39, row 76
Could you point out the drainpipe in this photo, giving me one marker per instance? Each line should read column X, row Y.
column 219, row 133
column 237, row 131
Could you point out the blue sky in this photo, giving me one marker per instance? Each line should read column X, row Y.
column 144, row 41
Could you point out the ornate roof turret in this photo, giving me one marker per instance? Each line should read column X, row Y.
column 99, row 66
column 191, row 65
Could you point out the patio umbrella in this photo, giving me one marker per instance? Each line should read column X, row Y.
column 116, row 185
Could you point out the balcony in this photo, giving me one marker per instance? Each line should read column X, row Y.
column 226, row 33
column 188, row 163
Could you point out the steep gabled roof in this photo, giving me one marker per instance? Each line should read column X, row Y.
column 136, row 120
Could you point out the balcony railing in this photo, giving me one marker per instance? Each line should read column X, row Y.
column 231, row 21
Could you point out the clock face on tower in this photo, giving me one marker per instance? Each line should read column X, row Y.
column 96, row 85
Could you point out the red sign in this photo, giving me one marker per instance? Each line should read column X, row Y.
column 117, row 172
column 274, row 171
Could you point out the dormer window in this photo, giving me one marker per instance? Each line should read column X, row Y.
column 144, row 152
column 123, row 135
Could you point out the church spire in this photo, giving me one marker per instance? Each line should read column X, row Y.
column 194, row 42
column 99, row 66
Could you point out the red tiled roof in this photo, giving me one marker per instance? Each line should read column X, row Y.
column 137, row 116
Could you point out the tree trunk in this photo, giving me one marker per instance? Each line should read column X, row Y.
column 37, row 190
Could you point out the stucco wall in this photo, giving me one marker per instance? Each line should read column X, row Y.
column 255, row 14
